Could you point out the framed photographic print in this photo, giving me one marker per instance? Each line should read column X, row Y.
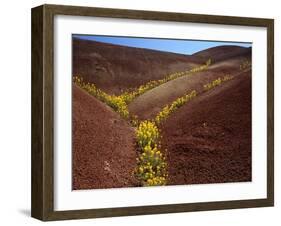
column 141, row 112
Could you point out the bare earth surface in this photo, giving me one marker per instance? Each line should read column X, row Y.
column 115, row 68
column 104, row 154
column 150, row 103
column 209, row 139
column 223, row 53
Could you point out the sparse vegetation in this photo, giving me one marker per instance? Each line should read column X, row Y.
column 168, row 109
column 120, row 103
column 116, row 102
column 217, row 82
column 138, row 126
column 129, row 96
column 151, row 167
column 245, row 65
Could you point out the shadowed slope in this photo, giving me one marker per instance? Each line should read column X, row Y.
column 114, row 68
column 103, row 145
column 209, row 139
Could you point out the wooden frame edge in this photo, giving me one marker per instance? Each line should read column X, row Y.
column 270, row 111
column 159, row 209
column 42, row 113
column 155, row 15
column 42, row 203
column 37, row 199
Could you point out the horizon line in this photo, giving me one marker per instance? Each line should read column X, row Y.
column 177, row 46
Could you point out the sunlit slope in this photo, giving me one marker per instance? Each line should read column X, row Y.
column 151, row 102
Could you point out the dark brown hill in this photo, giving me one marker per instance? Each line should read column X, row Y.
column 104, row 155
column 150, row 103
column 209, row 139
column 115, row 68
column 221, row 53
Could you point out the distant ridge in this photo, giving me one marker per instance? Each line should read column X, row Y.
column 220, row 53
column 133, row 47
column 115, row 68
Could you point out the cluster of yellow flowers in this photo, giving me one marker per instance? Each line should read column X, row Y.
column 134, row 120
column 217, row 82
column 120, row 103
column 203, row 67
column 168, row 109
column 116, row 102
column 245, row 65
column 152, row 167
column 129, row 96
column 147, row 134
column 190, row 72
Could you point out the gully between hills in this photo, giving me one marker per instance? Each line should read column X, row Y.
column 187, row 127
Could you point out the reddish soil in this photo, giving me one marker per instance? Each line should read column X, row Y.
column 222, row 53
column 116, row 68
column 150, row 103
column 208, row 140
column 104, row 154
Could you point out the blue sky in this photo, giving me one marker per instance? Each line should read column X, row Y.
column 168, row 45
